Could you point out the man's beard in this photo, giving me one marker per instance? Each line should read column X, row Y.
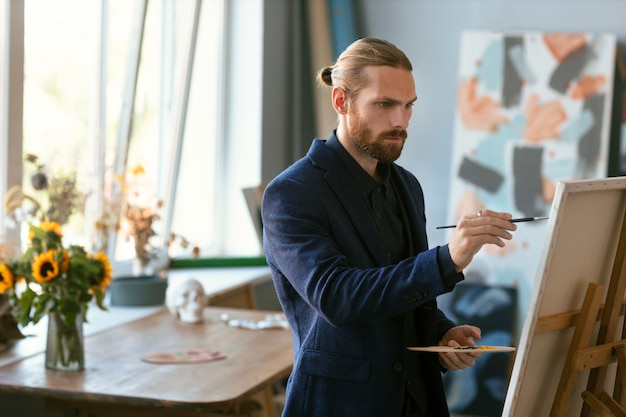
column 375, row 146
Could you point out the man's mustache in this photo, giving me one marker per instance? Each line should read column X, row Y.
column 401, row 133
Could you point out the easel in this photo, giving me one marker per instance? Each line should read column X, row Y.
column 582, row 355
column 596, row 357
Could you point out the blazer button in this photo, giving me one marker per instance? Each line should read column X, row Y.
column 398, row 367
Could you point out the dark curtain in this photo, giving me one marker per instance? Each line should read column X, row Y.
column 300, row 37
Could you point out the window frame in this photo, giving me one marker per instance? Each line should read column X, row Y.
column 11, row 102
column 11, row 128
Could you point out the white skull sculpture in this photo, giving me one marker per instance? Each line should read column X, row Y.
column 186, row 300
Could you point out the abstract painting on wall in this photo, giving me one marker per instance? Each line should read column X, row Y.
column 532, row 109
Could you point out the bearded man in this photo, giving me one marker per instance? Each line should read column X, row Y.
column 345, row 238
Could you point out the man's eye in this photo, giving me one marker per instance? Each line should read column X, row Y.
column 384, row 104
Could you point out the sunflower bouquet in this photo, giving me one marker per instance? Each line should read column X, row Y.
column 52, row 280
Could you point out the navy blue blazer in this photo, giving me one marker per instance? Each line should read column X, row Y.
column 346, row 306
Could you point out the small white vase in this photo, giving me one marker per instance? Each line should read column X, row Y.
column 142, row 269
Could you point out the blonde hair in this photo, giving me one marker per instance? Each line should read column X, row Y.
column 347, row 72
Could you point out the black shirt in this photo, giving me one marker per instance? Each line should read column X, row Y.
column 383, row 201
column 386, row 208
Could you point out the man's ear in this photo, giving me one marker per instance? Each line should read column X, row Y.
column 340, row 100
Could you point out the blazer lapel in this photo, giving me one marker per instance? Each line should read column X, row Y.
column 350, row 198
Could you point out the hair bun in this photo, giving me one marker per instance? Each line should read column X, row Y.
column 326, row 76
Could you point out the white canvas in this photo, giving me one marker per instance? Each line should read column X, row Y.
column 579, row 249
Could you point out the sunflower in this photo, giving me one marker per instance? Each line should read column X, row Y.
column 107, row 271
column 48, row 227
column 45, row 267
column 6, row 278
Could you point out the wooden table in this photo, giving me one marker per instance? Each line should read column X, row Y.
column 117, row 382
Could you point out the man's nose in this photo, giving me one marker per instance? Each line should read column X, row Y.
column 401, row 118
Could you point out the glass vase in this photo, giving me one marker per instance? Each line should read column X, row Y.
column 65, row 347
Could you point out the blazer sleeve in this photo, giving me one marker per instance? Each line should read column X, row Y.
column 443, row 324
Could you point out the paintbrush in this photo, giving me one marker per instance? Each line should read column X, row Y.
column 518, row 220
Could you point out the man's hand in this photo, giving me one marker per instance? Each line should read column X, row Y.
column 475, row 230
column 459, row 336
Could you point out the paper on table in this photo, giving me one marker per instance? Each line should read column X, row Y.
column 468, row 349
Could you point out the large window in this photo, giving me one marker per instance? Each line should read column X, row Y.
column 169, row 90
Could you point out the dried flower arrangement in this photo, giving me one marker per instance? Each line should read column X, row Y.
column 139, row 213
column 54, row 199
column 133, row 213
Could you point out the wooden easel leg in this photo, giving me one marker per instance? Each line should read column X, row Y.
column 603, row 404
column 582, row 336
column 610, row 315
column 620, row 381
column 619, row 392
